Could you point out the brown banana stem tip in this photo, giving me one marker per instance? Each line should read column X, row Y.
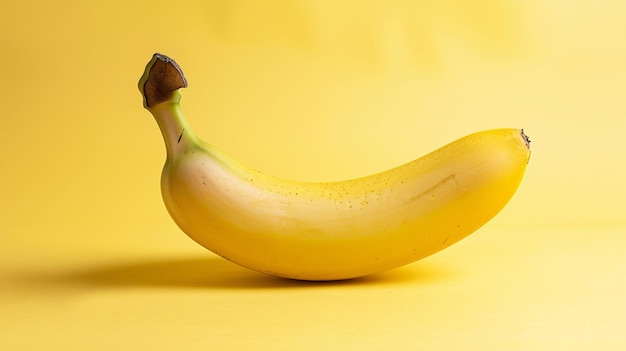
column 161, row 78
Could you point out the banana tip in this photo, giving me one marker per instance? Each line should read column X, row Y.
column 161, row 78
column 525, row 138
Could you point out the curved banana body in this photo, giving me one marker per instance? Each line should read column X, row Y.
column 335, row 230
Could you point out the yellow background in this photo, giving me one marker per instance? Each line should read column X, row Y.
column 311, row 90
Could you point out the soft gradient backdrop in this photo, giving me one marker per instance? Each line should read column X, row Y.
column 310, row 90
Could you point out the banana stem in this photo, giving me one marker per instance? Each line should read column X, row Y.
column 174, row 127
column 161, row 78
column 159, row 87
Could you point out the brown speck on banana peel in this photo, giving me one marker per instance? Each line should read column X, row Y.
column 162, row 77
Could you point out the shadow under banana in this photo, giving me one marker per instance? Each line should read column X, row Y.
column 204, row 272
column 215, row 272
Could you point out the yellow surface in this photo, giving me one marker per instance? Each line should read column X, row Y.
column 312, row 90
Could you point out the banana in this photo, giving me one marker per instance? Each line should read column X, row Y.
column 327, row 230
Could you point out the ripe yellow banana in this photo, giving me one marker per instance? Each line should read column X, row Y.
column 332, row 230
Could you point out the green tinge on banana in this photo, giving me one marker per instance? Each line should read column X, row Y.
column 334, row 230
